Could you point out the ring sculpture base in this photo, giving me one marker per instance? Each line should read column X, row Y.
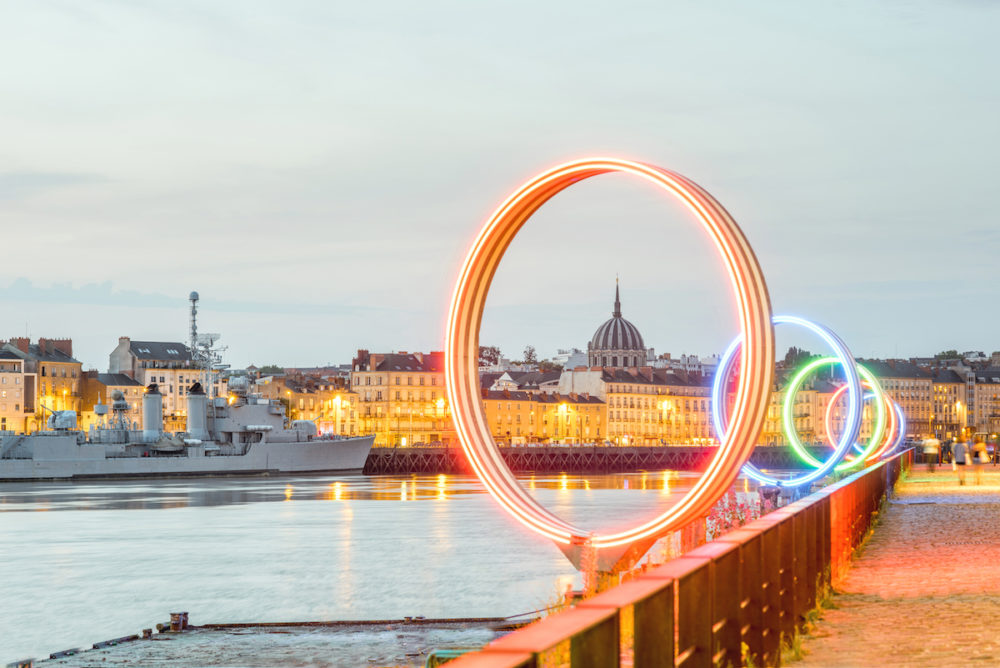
column 582, row 553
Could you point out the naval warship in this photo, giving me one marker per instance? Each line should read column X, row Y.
column 241, row 434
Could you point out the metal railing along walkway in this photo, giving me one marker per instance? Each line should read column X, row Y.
column 751, row 587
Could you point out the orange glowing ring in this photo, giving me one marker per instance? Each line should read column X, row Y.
column 462, row 350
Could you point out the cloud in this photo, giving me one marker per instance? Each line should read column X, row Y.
column 17, row 185
column 104, row 294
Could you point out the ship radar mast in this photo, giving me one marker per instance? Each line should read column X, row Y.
column 206, row 356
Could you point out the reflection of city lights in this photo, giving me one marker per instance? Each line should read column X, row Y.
column 563, row 482
column 402, row 491
column 338, row 491
column 586, row 484
column 288, row 493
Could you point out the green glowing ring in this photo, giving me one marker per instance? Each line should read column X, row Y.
column 789, row 425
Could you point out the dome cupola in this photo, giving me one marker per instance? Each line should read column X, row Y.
column 617, row 342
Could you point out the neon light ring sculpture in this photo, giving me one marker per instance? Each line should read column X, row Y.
column 854, row 403
column 620, row 549
column 880, row 413
column 900, row 430
column 893, row 431
column 882, row 435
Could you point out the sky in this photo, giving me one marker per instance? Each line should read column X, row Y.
column 317, row 170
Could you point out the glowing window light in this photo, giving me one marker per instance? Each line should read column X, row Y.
column 846, row 360
column 462, row 341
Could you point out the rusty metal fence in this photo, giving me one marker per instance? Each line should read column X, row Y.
column 743, row 592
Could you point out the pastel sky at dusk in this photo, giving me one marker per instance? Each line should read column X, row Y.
column 316, row 170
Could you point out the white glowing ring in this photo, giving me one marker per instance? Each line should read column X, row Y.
column 462, row 350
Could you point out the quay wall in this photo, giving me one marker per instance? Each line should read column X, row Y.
column 733, row 601
column 573, row 459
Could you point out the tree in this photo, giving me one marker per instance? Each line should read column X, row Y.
column 796, row 356
column 489, row 355
column 530, row 356
column 947, row 355
column 271, row 369
column 549, row 365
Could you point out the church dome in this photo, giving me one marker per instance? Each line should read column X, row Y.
column 617, row 336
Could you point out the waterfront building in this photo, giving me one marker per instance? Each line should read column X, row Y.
column 519, row 417
column 402, row 398
column 17, row 392
column 570, row 358
column 647, row 406
column 534, row 382
column 327, row 401
column 911, row 386
column 688, row 363
column 986, row 404
column 169, row 365
column 97, row 388
column 58, row 376
column 809, row 412
column 617, row 343
column 948, row 418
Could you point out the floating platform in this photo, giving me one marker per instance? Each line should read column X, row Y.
column 340, row 644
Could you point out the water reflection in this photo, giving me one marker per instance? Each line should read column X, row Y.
column 193, row 493
column 288, row 548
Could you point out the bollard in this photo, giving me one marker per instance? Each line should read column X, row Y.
column 184, row 621
column 161, row 627
column 176, row 621
column 147, row 634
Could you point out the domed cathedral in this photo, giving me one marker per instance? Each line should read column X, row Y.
column 617, row 343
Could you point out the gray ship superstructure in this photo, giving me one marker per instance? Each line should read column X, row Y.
column 239, row 434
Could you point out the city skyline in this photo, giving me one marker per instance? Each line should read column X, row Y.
column 257, row 155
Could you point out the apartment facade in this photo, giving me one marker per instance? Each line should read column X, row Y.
column 169, row 365
column 519, row 417
column 401, row 398
column 646, row 405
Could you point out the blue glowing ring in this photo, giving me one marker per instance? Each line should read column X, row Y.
column 901, row 432
column 854, row 403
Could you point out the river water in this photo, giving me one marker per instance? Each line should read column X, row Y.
column 84, row 562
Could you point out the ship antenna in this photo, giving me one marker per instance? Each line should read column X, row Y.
column 193, row 298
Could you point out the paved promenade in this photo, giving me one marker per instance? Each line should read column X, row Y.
column 926, row 590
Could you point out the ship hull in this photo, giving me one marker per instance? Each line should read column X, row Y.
column 61, row 458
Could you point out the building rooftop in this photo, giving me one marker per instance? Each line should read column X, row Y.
column 160, row 350
column 401, row 361
column 518, row 395
column 117, row 379
column 896, row 369
column 50, row 355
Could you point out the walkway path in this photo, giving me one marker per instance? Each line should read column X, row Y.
column 926, row 590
